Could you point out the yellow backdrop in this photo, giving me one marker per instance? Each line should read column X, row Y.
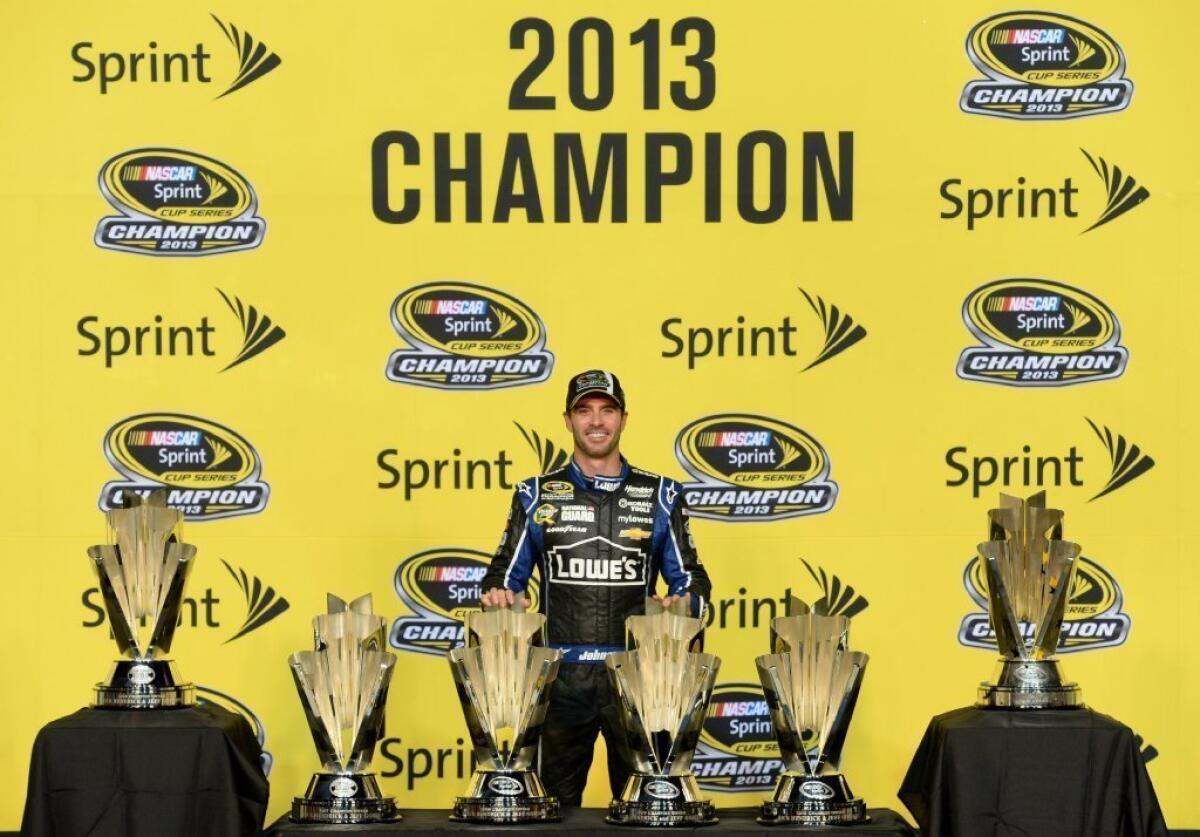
column 319, row 450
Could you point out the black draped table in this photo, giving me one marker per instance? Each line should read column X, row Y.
column 1052, row 772
column 582, row 821
column 192, row 772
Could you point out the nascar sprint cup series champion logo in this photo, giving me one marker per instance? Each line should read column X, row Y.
column 1038, row 333
column 177, row 203
column 753, row 468
column 465, row 336
column 1093, row 614
column 439, row 586
column 211, row 472
column 737, row 749
column 1043, row 65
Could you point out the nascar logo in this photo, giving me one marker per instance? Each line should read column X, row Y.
column 438, row 586
column 1060, row 338
column 732, row 439
column 215, row 213
column 750, row 467
column 210, row 471
column 737, row 750
column 472, row 307
column 1042, row 65
column 463, row 336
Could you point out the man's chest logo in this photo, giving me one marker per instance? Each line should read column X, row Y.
column 580, row 563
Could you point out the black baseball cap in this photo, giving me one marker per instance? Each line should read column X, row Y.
column 595, row 382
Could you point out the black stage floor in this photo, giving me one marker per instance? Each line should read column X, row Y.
column 582, row 821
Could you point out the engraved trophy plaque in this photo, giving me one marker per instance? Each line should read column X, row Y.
column 343, row 685
column 142, row 573
column 1029, row 569
column 662, row 690
column 811, row 682
column 503, row 675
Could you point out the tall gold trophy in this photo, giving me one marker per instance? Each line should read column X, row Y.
column 142, row 574
column 503, row 675
column 343, row 684
column 811, row 681
column 662, row 690
column 1029, row 568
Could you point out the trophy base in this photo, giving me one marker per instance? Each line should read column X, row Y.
column 813, row 801
column 143, row 684
column 661, row 801
column 498, row 797
column 343, row 799
column 1029, row 684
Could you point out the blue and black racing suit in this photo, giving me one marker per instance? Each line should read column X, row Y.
column 599, row 545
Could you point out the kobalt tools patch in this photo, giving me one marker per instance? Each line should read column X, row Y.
column 211, row 471
column 1093, row 615
column 177, row 203
column 753, row 468
column 1044, row 65
column 1039, row 333
column 467, row 337
column 439, row 586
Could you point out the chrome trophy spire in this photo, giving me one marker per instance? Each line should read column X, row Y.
column 142, row 573
column 503, row 676
column 1029, row 568
column 343, row 686
column 811, row 681
column 662, row 689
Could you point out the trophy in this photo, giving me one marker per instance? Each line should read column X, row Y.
column 1028, row 568
column 811, row 683
column 142, row 574
column 503, row 676
column 343, row 684
column 662, row 690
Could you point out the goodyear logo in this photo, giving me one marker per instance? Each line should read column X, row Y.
column 1039, row 333
column 439, row 586
column 468, row 337
column 210, row 471
column 753, row 468
column 1093, row 614
column 1043, row 65
column 737, row 749
column 177, row 203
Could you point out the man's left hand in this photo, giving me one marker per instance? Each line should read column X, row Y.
column 667, row 601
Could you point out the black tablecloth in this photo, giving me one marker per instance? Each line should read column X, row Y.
column 1004, row 773
column 192, row 772
column 582, row 821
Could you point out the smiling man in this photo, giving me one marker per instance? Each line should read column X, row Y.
column 600, row 533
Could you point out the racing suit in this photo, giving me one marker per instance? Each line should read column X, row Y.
column 599, row 545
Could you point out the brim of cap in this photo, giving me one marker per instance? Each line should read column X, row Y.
column 597, row 391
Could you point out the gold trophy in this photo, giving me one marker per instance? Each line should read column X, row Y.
column 343, row 685
column 662, row 689
column 1029, row 570
column 142, row 574
column 503, row 676
column 811, row 682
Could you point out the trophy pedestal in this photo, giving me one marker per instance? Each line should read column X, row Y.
column 805, row 800
column 1029, row 684
column 650, row 800
column 343, row 799
column 143, row 684
column 506, row 796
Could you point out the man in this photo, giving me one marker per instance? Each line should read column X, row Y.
column 600, row 533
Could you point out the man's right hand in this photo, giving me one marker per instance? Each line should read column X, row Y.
column 502, row 597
